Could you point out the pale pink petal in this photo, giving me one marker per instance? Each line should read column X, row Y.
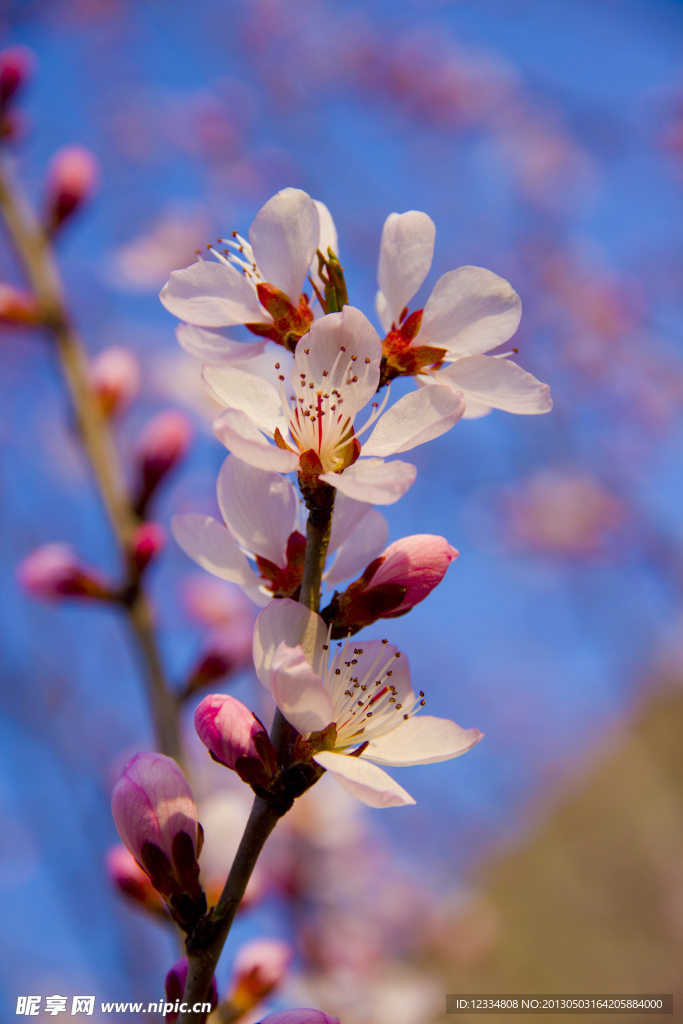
column 289, row 622
column 259, row 508
column 237, row 389
column 321, row 359
column 405, row 256
column 423, row 739
column 498, row 383
column 359, row 549
column 373, row 480
column 210, row 545
column 382, row 310
column 475, row 410
column 417, row 417
column 345, row 518
column 213, row 295
column 471, row 310
column 328, row 239
column 363, row 780
column 212, row 347
column 242, row 437
column 298, row 691
column 284, row 238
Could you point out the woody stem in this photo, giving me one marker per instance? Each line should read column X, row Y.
column 34, row 249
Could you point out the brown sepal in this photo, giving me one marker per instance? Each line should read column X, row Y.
column 158, row 868
column 280, row 441
column 284, row 582
column 351, row 453
column 324, row 739
column 354, row 611
column 290, row 322
column 187, row 868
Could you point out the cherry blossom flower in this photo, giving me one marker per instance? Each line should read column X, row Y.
column 364, row 689
column 470, row 312
column 260, row 967
column 227, row 728
column 114, row 376
column 261, row 513
column 335, row 374
column 257, row 282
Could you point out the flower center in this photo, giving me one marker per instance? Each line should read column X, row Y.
column 366, row 703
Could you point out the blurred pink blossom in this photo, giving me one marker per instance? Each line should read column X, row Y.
column 72, row 177
column 115, row 378
column 54, row 570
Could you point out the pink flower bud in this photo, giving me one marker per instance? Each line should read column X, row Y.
column 161, row 445
column 18, row 307
column 417, row 563
column 16, row 65
column 402, row 576
column 53, row 571
column 156, row 818
column 115, row 379
column 300, row 1016
column 227, row 729
column 175, row 989
column 129, row 878
column 260, row 966
column 147, row 541
column 72, row 178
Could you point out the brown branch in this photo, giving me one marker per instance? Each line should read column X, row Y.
column 35, row 252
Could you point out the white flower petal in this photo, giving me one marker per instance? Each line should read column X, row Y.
column 373, row 480
column 321, row 359
column 475, row 410
column 209, row 544
column 363, row 780
column 498, row 383
column 237, row 389
column 345, row 518
column 242, row 437
column 289, row 622
column 382, row 310
column 212, row 347
column 405, row 256
column 284, row 238
column 471, row 310
column 213, row 295
column 297, row 690
column 423, row 739
column 361, row 547
column 259, row 508
column 417, row 417
column 328, row 239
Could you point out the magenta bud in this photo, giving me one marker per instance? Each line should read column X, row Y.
column 18, row 307
column 418, row 563
column 402, row 576
column 115, row 378
column 72, row 178
column 227, row 729
column 155, row 814
column 260, row 966
column 162, row 444
column 174, row 987
column 129, row 878
column 300, row 1016
column 53, row 571
column 16, row 65
column 147, row 541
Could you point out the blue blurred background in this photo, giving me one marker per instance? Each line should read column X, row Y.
column 545, row 139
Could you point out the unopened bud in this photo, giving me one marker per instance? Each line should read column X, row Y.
column 129, row 878
column 260, row 966
column 228, row 650
column 115, row 378
column 53, row 571
column 147, row 541
column 300, row 1016
column 175, row 990
column 72, row 177
column 402, row 576
column 227, row 729
column 162, row 444
column 18, row 307
column 16, row 65
column 155, row 814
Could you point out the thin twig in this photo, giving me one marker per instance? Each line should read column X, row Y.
column 35, row 252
